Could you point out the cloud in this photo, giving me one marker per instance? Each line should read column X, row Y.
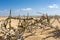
column 4, row 12
column 53, row 6
column 1, row 11
column 26, row 9
column 22, row 11
column 17, row 10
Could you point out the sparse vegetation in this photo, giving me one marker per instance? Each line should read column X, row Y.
column 28, row 24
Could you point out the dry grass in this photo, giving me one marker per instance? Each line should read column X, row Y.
column 37, row 35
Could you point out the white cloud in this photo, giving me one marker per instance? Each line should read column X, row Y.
column 22, row 11
column 17, row 10
column 1, row 11
column 26, row 9
column 4, row 11
column 53, row 6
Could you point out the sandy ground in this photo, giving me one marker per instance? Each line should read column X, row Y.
column 37, row 35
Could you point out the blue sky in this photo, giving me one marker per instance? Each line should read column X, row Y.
column 22, row 7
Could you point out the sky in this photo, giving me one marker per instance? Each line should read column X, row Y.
column 33, row 7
